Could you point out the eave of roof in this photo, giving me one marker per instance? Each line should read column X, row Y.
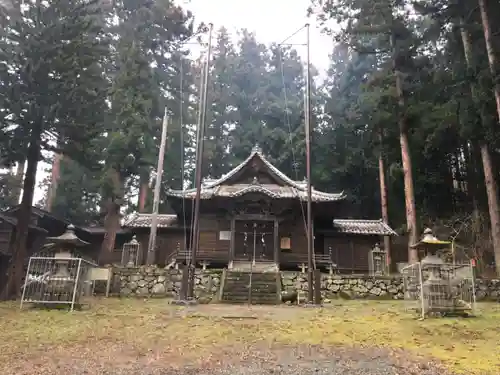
column 13, row 221
column 210, row 188
column 364, row 227
column 37, row 212
column 141, row 220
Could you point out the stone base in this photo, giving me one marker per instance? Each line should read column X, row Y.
column 184, row 302
column 312, row 305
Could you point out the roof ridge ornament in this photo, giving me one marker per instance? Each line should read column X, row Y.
column 256, row 148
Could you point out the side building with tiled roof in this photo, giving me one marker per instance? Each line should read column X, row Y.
column 255, row 213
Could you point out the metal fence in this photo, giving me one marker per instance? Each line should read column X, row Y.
column 58, row 281
column 439, row 289
column 130, row 253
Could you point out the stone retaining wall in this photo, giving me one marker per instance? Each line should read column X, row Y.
column 348, row 286
column 368, row 287
column 150, row 281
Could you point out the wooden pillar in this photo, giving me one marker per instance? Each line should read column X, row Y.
column 317, row 287
column 232, row 244
column 352, row 255
column 276, row 242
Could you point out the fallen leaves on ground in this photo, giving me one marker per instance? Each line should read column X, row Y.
column 120, row 333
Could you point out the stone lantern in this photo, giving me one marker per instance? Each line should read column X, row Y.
column 61, row 280
column 430, row 244
column 130, row 253
column 378, row 261
column 436, row 289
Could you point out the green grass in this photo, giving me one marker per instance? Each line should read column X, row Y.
column 470, row 346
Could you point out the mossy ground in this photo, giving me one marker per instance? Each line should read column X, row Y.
column 464, row 345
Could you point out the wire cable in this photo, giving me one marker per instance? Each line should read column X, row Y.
column 288, row 122
column 200, row 109
column 181, row 136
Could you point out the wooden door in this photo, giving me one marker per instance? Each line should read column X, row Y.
column 254, row 239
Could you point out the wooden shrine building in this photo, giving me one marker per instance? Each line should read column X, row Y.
column 44, row 224
column 257, row 213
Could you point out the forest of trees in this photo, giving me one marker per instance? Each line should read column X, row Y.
column 411, row 97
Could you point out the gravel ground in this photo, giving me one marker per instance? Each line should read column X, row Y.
column 251, row 361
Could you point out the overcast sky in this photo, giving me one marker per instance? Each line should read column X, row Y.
column 271, row 21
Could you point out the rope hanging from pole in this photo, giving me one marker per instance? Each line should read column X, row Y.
column 200, row 109
column 306, row 220
column 181, row 136
column 288, row 122
column 199, row 166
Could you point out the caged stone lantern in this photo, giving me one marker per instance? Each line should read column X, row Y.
column 61, row 281
column 378, row 261
column 430, row 245
column 436, row 291
column 130, row 253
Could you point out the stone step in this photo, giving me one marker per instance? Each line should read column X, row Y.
column 244, row 298
column 258, row 266
column 254, row 302
column 264, row 288
column 260, row 284
column 245, row 292
column 247, row 282
column 255, row 276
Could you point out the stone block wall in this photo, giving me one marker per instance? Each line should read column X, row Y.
column 368, row 287
column 487, row 290
column 151, row 281
column 348, row 286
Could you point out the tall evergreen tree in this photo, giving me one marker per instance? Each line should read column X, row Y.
column 148, row 34
column 51, row 69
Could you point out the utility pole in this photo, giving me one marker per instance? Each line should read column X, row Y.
column 199, row 164
column 310, row 238
column 156, row 198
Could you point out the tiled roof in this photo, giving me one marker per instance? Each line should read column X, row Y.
column 373, row 227
column 97, row 230
column 292, row 189
column 138, row 220
column 13, row 221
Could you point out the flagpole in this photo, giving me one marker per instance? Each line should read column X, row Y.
column 156, row 197
column 310, row 239
column 199, row 175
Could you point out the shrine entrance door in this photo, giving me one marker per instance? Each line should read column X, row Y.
column 254, row 240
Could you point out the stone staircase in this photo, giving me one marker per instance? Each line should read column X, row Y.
column 265, row 287
column 260, row 266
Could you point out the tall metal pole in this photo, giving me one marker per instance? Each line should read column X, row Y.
column 310, row 239
column 199, row 165
column 200, row 115
column 156, row 198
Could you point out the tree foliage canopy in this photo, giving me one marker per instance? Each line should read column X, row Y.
column 96, row 90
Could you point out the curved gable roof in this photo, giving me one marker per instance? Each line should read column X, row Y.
column 292, row 188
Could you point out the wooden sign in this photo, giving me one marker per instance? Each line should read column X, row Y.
column 225, row 235
column 285, row 243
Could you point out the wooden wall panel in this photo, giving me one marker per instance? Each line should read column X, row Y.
column 350, row 253
column 299, row 236
column 223, row 224
column 208, row 240
column 166, row 244
column 208, row 223
column 5, row 236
